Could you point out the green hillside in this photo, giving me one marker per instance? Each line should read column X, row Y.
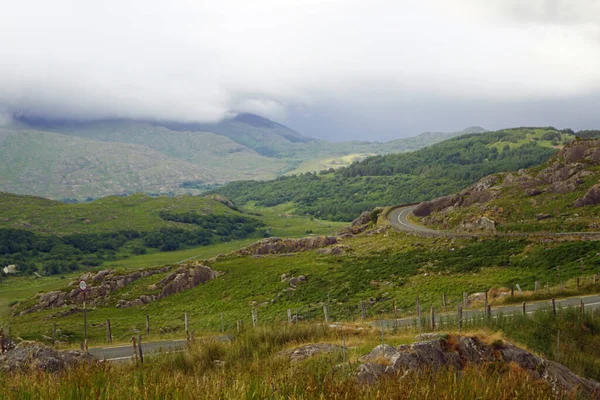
column 440, row 169
column 40, row 235
column 77, row 160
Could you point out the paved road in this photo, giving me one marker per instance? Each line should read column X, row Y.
column 399, row 219
column 117, row 353
column 591, row 302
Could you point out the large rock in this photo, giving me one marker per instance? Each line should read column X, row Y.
column 100, row 285
column 457, row 352
column 29, row 356
column 592, row 197
column 276, row 245
column 184, row 278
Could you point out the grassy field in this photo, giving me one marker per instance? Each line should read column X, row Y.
column 375, row 269
column 251, row 366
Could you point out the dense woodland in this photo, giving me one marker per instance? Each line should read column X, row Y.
column 441, row 169
column 53, row 254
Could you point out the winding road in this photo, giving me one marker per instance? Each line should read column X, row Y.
column 399, row 220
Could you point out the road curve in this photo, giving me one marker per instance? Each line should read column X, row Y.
column 398, row 217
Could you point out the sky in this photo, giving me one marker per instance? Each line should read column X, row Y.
column 338, row 70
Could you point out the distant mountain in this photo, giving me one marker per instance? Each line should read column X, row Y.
column 81, row 159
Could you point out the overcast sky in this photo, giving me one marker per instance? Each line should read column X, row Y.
column 371, row 70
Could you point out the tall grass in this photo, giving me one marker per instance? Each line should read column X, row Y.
column 250, row 367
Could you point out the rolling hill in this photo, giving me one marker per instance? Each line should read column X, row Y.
column 438, row 170
column 91, row 159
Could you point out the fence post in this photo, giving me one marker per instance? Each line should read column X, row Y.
column 595, row 278
column 444, row 301
column 582, row 307
column 485, row 300
column 2, row 345
column 240, row 325
column 432, row 319
column 554, row 306
column 419, row 318
column 289, row 313
column 489, row 311
column 254, row 317
column 363, row 310
column 577, row 283
column 395, row 315
column 524, row 309
column 326, row 313
column 135, row 352
column 537, row 286
column 108, row 331
column 557, row 344
column 512, row 291
column 140, row 349
column 187, row 331
column 465, row 300
column 147, row 324
column 222, row 323
column 460, row 312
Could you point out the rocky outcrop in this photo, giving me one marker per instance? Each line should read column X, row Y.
column 28, row 356
column 307, row 351
column 592, row 197
column 100, row 285
column 276, row 245
column 481, row 192
column 184, row 278
column 223, row 200
column 456, row 352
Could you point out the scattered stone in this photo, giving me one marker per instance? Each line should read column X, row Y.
column 307, row 351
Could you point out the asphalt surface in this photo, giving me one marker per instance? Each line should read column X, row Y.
column 590, row 303
column 119, row 353
column 399, row 219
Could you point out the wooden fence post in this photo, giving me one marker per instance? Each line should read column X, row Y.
column 512, row 291
column 108, row 331
column 140, row 349
column 326, row 313
column 395, row 315
column 289, row 313
column 537, row 286
column 147, row 324
column 577, row 283
column 432, row 319
column 485, row 299
column 222, row 323
column 135, row 352
column 363, row 310
column 254, row 317
column 465, row 300
column 240, row 325
column 2, row 345
column 594, row 279
column 582, row 306
column 459, row 316
column 554, row 306
column 444, row 301
column 489, row 311
column 187, row 330
column 524, row 309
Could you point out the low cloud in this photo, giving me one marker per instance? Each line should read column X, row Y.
column 198, row 61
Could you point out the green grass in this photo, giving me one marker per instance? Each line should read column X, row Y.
column 385, row 267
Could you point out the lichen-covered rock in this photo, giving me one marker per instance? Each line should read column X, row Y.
column 276, row 245
column 459, row 351
column 35, row 356
column 310, row 350
column 592, row 197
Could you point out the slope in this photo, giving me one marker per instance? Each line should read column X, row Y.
column 560, row 195
column 441, row 169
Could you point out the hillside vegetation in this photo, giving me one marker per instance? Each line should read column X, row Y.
column 434, row 171
column 80, row 160
column 560, row 195
column 50, row 237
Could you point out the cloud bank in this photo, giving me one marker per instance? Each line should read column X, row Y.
column 335, row 68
